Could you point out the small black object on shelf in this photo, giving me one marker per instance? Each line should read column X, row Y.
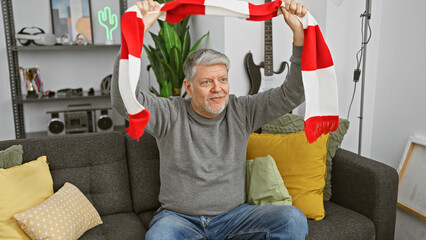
column 91, row 92
column 32, row 94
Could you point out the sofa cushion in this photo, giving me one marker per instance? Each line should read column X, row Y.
column 11, row 156
column 264, row 184
column 22, row 187
column 67, row 214
column 301, row 165
column 144, row 169
column 291, row 123
column 146, row 218
column 95, row 163
column 123, row 226
column 341, row 223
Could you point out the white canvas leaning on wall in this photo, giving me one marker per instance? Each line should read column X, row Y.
column 412, row 178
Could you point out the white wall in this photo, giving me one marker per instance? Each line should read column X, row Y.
column 400, row 94
column 401, row 87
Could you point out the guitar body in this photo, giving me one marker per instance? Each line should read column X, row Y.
column 272, row 81
column 253, row 72
column 259, row 79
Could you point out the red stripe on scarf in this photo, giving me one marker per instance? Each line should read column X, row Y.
column 179, row 10
column 315, row 54
column 316, row 126
column 132, row 32
column 257, row 12
column 137, row 124
column 124, row 49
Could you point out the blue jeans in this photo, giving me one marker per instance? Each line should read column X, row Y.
column 243, row 222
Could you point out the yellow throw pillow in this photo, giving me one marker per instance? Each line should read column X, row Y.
column 301, row 165
column 67, row 214
column 22, row 187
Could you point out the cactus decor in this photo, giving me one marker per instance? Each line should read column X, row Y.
column 109, row 21
column 172, row 47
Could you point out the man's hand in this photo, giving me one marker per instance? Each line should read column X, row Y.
column 150, row 11
column 291, row 11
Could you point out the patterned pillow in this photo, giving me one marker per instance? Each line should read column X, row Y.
column 67, row 214
column 291, row 123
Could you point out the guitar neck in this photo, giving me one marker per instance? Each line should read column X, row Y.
column 268, row 52
column 268, row 56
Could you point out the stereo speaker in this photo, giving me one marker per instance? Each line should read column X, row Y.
column 80, row 120
column 104, row 121
column 56, row 125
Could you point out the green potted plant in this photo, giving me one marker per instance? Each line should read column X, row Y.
column 172, row 47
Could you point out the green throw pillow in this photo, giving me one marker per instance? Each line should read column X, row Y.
column 264, row 184
column 291, row 123
column 11, row 157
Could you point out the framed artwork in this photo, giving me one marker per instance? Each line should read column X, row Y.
column 73, row 18
column 412, row 178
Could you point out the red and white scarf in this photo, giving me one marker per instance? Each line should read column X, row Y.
column 319, row 78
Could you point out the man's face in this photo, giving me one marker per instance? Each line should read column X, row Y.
column 209, row 90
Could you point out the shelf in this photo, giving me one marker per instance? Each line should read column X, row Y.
column 15, row 50
column 44, row 133
column 61, row 47
column 54, row 99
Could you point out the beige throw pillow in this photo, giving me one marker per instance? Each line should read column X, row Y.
column 67, row 214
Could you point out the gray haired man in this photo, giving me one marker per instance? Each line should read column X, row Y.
column 203, row 140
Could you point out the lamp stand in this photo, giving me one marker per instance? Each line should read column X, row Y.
column 367, row 16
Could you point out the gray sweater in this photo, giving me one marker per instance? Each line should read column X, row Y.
column 202, row 160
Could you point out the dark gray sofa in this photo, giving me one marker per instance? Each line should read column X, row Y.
column 120, row 177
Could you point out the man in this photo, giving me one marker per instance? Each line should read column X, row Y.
column 202, row 143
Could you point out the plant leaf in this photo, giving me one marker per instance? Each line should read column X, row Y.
column 153, row 90
column 152, row 59
column 162, row 70
column 186, row 44
column 170, row 74
column 185, row 23
column 171, row 38
column 175, row 59
column 198, row 42
column 159, row 43
column 181, row 27
column 166, row 90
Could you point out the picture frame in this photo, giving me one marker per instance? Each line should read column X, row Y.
column 71, row 20
column 412, row 178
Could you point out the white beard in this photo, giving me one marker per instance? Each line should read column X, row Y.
column 211, row 110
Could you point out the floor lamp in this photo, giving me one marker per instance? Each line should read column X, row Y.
column 366, row 37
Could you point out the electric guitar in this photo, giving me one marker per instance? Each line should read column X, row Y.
column 262, row 82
